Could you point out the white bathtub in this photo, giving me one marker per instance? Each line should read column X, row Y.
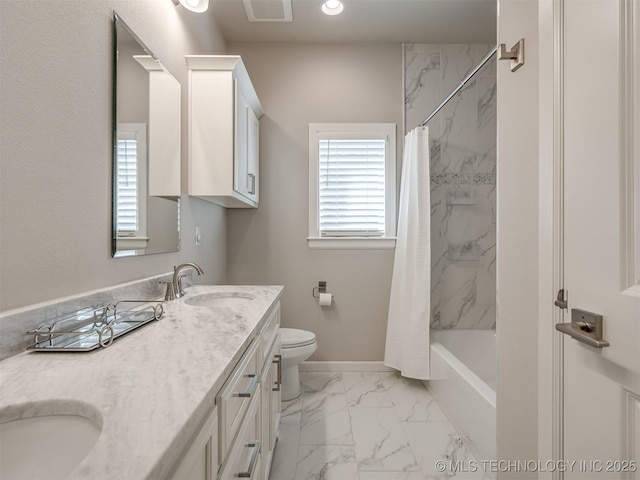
column 463, row 382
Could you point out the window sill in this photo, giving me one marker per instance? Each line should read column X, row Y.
column 352, row 243
column 131, row 243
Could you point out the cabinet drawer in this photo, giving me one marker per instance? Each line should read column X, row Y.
column 270, row 408
column 244, row 459
column 269, row 332
column 233, row 400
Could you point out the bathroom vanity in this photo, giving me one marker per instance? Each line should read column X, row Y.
column 194, row 395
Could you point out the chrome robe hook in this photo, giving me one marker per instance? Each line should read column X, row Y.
column 516, row 54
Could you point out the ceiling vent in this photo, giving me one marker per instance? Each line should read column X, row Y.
column 268, row 10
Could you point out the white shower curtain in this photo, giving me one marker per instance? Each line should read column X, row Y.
column 407, row 344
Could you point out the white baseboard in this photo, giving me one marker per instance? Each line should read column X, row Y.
column 345, row 367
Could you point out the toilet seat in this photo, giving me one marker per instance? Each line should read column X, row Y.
column 293, row 338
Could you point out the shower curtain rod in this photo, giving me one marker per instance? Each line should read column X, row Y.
column 462, row 84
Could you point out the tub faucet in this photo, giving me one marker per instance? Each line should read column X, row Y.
column 177, row 278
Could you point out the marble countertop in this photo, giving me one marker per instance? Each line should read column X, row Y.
column 150, row 389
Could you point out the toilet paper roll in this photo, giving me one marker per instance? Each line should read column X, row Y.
column 325, row 299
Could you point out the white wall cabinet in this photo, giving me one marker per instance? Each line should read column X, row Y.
column 224, row 114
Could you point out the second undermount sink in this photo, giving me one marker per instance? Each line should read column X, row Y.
column 44, row 442
column 220, row 299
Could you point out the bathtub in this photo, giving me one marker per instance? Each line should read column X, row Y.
column 463, row 382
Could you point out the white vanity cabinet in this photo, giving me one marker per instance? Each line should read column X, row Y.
column 200, row 460
column 224, row 114
column 245, row 457
column 271, row 390
column 270, row 399
column 238, row 437
column 249, row 411
column 242, row 386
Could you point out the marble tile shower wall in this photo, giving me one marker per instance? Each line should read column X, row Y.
column 463, row 178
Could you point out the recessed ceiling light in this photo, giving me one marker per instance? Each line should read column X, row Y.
column 197, row 6
column 332, row 7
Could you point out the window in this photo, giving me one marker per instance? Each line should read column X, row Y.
column 131, row 185
column 352, row 185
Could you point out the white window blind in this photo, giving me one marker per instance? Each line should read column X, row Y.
column 351, row 187
column 127, row 187
column 131, row 180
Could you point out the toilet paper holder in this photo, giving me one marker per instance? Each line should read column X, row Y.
column 321, row 288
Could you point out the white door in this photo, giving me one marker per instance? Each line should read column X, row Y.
column 601, row 236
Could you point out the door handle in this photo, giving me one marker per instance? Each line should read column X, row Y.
column 586, row 327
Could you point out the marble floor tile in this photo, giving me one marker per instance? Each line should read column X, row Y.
column 325, row 419
column 366, row 426
column 380, row 441
column 417, row 476
column 390, row 475
column 327, row 382
column 283, row 465
column 368, row 389
column 413, row 402
column 438, row 441
column 321, row 462
column 291, row 411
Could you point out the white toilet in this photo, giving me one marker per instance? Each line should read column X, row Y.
column 297, row 346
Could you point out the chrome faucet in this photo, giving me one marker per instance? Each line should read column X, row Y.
column 177, row 278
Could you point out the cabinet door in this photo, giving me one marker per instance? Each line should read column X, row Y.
column 276, row 394
column 241, row 181
column 265, row 419
column 234, row 398
column 244, row 460
column 270, row 412
column 253, row 154
column 200, row 460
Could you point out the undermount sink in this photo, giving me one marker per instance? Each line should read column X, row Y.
column 220, row 299
column 46, row 440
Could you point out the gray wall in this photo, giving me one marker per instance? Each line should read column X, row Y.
column 297, row 85
column 55, row 145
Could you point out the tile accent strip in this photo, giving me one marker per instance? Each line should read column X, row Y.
column 463, row 178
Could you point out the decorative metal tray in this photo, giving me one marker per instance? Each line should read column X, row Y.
column 93, row 327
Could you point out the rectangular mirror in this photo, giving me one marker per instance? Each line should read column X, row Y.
column 146, row 150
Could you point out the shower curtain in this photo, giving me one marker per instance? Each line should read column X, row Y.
column 407, row 343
